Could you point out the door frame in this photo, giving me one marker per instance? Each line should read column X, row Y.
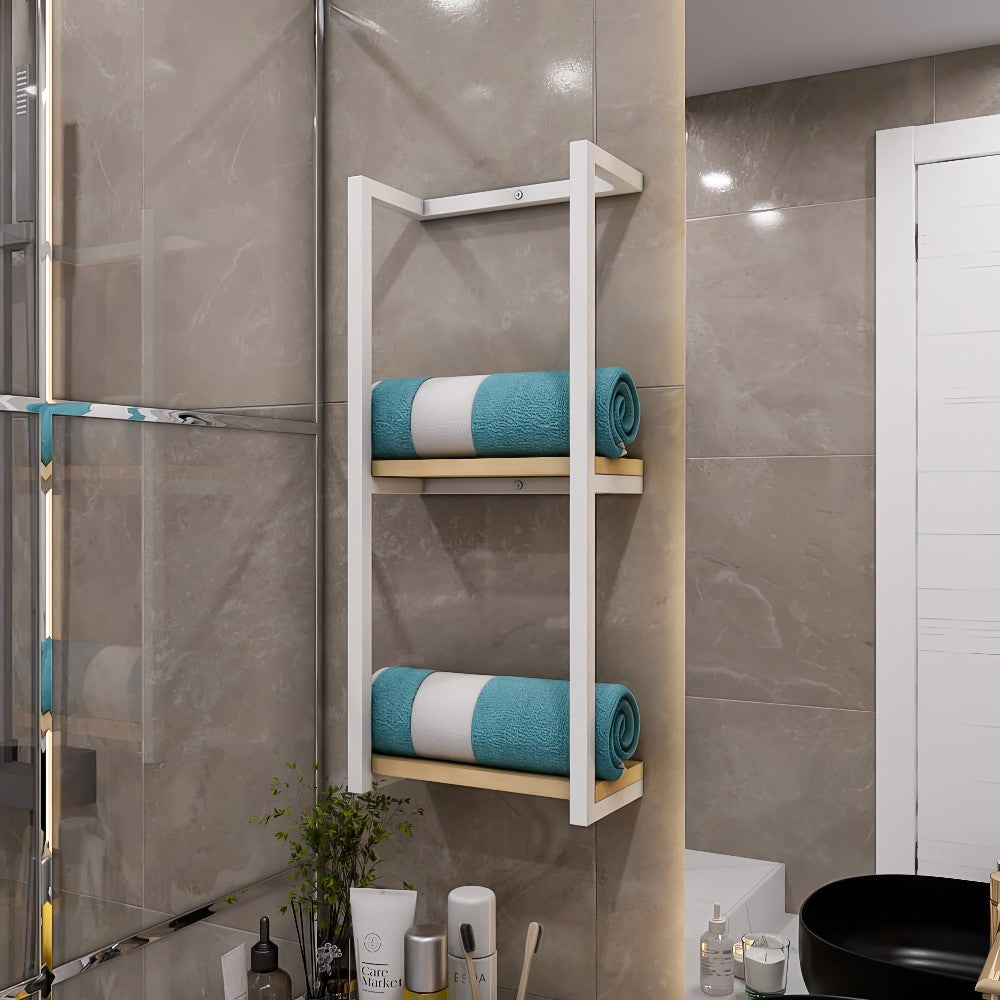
column 898, row 153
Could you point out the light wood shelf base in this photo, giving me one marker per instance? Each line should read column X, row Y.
column 501, row 475
column 546, row 786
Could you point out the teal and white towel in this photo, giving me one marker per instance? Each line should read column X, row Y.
column 514, row 415
column 517, row 723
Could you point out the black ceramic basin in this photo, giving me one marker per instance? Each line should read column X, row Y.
column 882, row 937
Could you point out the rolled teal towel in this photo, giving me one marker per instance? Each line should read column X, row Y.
column 513, row 415
column 516, row 723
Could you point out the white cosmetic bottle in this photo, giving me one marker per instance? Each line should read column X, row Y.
column 717, row 957
column 476, row 906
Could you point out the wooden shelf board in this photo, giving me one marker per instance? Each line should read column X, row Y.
column 493, row 779
column 484, row 468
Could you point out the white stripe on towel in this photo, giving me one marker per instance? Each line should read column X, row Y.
column 441, row 720
column 441, row 417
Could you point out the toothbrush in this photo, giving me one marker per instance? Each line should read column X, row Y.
column 469, row 946
column 532, row 943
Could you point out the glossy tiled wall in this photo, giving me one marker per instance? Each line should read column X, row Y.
column 446, row 96
column 184, row 571
column 198, row 147
column 184, row 202
column 780, row 342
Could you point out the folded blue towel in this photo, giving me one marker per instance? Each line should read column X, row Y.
column 515, row 415
column 517, row 723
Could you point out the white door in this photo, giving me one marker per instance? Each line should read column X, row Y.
column 958, row 517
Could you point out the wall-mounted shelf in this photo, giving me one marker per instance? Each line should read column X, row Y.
column 593, row 173
column 532, row 476
column 546, row 786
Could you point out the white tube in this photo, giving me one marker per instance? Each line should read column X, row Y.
column 381, row 918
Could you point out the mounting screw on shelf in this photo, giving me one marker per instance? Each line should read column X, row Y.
column 518, row 195
column 518, row 484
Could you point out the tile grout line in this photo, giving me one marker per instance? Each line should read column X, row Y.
column 736, row 458
column 780, row 208
column 782, row 704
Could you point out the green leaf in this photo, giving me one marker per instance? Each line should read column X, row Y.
column 333, row 838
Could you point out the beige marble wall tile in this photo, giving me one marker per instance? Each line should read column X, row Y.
column 641, row 643
column 97, row 656
column 97, row 485
column 523, row 848
column 781, row 332
column 98, row 198
column 100, row 844
column 335, row 594
column 185, row 964
column 13, row 929
column 98, row 122
column 20, row 377
column 191, row 151
column 245, row 916
column 227, row 118
column 810, row 803
column 97, row 318
column 474, row 585
column 23, row 433
column 801, row 142
column 457, row 99
column 967, row 84
column 121, row 978
column 780, row 581
column 228, row 629
column 16, row 849
column 81, row 924
column 640, row 118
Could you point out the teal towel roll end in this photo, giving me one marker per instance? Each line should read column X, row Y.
column 516, row 723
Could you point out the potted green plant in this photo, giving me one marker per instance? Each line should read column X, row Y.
column 333, row 841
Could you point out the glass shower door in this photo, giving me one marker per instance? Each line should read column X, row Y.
column 20, row 764
column 18, row 705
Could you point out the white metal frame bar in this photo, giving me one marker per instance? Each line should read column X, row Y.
column 895, row 502
column 593, row 173
column 898, row 154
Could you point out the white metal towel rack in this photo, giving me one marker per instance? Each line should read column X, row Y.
column 594, row 173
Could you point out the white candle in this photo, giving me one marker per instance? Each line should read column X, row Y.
column 764, row 963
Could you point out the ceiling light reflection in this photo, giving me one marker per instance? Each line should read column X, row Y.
column 568, row 76
column 766, row 219
column 717, row 180
column 456, row 6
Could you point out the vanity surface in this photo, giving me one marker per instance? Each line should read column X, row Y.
column 752, row 894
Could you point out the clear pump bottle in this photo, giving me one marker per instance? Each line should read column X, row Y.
column 717, row 957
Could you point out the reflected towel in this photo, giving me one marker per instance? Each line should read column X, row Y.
column 517, row 723
column 514, row 415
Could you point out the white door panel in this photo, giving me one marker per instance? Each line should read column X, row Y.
column 958, row 517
